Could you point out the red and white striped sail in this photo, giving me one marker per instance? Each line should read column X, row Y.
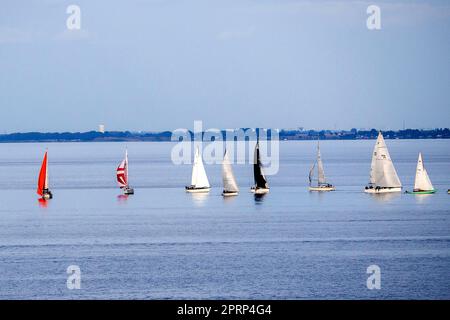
column 43, row 177
column 122, row 172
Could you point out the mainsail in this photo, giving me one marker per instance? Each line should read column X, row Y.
column 122, row 172
column 321, row 173
column 43, row 177
column 422, row 181
column 382, row 171
column 199, row 178
column 260, row 179
column 229, row 181
column 311, row 173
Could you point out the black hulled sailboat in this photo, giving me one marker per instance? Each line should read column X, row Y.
column 261, row 186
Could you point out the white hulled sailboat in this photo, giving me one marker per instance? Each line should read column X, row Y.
column 383, row 177
column 422, row 183
column 230, row 187
column 42, row 188
column 261, row 186
column 199, row 180
column 322, row 184
column 122, row 176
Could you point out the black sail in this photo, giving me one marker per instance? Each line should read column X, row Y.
column 260, row 180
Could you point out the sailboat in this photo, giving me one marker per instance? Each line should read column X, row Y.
column 422, row 183
column 322, row 185
column 199, row 180
column 42, row 188
column 261, row 186
column 230, row 187
column 383, row 177
column 122, row 176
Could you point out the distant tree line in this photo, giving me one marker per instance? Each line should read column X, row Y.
column 353, row 134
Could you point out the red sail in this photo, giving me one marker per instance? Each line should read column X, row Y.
column 122, row 178
column 42, row 181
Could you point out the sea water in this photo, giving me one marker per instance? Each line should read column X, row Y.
column 162, row 243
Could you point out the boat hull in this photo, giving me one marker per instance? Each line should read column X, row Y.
column 322, row 189
column 191, row 189
column 47, row 195
column 383, row 190
column 421, row 192
column 128, row 191
column 260, row 190
column 229, row 193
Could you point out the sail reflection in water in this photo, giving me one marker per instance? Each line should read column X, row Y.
column 199, row 199
column 43, row 203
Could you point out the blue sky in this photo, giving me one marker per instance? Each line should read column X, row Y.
column 154, row 65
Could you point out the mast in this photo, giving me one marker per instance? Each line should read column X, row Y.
column 373, row 163
column 320, row 171
column 126, row 166
column 46, row 171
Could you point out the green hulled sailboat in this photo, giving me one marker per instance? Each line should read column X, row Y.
column 422, row 183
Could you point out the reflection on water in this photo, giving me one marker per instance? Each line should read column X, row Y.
column 259, row 198
column 199, row 199
column 317, row 195
column 423, row 198
column 227, row 239
column 43, row 203
column 122, row 198
column 385, row 197
column 229, row 199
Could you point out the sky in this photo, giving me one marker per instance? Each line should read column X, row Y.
column 159, row 65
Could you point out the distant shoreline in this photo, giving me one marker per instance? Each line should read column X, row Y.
column 165, row 136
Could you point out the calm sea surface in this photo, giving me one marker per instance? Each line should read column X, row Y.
column 162, row 243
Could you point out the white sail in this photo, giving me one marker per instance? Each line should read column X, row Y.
column 199, row 178
column 321, row 172
column 382, row 173
column 229, row 181
column 311, row 174
column 422, row 181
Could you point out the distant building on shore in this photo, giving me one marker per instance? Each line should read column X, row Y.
column 101, row 128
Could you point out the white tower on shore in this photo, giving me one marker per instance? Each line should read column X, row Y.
column 101, row 128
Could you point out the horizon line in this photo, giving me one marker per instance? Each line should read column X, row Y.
column 299, row 129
